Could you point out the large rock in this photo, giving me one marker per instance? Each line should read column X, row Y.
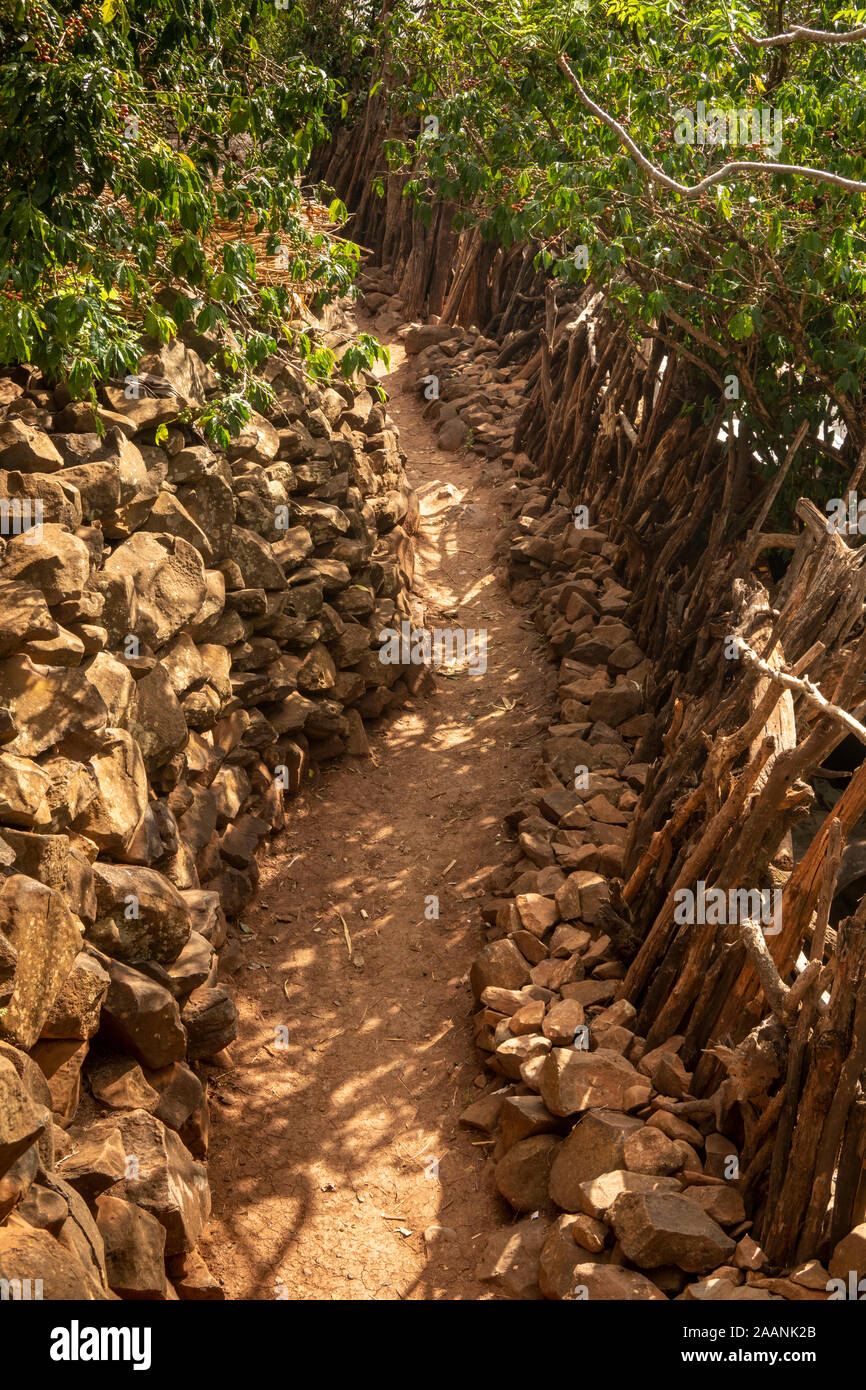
column 168, row 576
column 56, row 562
column 660, row 1228
column 419, row 336
column 114, row 681
column 500, row 963
column 180, row 1094
column 97, row 1160
column 27, row 1254
column 47, row 703
column 137, row 489
column 142, row 1018
column 24, row 790
column 33, row 1082
column 593, row 1147
column 597, row 1195
column 169, row 517
column 24, row 615
column 134, row 1248
column 58, row 498
column 79, row 1232
column 156, row 719
column 71, row 790
column 211, row 1020
column 98, row 485
column 27, row 449
column 43, row 857
column 47, row 938
column 17, row 1182
column 152, row 919
column 61, row 1060
column 254, row 557
column 75, row 1011
column 44, row 1209
column 560, row 1257
column 119, row 1083
column 723, row 1204
column 193, row 967
column 114, row 816
column 258, row 441
column 582, row 896
column 575, row 1080
column 22, row 1120
column 188, row 379
column 163, row 1178
column 850, row 1254
column 522, row 1175
column 211, row 505
column 649, row 1151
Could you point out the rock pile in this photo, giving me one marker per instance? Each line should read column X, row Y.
column 620, row 1196
column 182, row 633
column 473, row 397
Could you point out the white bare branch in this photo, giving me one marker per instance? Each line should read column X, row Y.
column 736, row 166
column 798, row 33
column 803, row 686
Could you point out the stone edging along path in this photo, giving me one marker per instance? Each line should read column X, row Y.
column 617, row 1196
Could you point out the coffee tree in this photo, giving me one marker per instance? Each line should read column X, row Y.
column 150, row 166
column 701, row 164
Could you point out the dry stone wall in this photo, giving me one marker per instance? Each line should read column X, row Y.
column 183, row 635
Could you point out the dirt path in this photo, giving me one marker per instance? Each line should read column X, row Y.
column 324, row 1155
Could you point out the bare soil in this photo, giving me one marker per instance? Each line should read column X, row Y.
column 332, row 1156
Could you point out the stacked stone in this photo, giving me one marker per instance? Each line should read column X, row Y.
column 474, row 402
column 183, row 632
column 619, row 1196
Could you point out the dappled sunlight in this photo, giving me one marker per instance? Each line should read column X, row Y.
column 350, row 1121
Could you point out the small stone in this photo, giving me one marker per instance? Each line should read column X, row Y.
column 193, row 1280
column 588, row 1233
column 647, row 1150
column 748, row 1254
column 723, row 1204
column 438, row 1235
column 562, row 1021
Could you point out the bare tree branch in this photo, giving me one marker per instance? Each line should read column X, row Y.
column 803, row 686
column 736, row 166
column 799, row 34
column 775, row 990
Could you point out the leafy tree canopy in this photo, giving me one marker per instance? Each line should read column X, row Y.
column 150, row 163
column 762, row 276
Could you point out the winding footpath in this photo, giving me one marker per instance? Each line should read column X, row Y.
column 337, row 1164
